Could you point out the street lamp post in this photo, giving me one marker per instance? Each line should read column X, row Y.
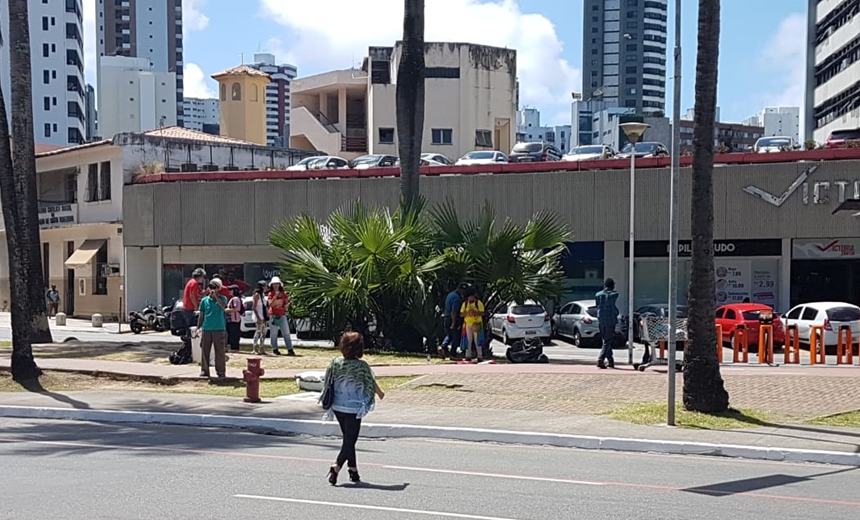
column 634, row 132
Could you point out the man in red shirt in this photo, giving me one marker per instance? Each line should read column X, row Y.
column 192, row 295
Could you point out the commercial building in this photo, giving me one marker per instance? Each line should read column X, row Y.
column 243, row 103
column 471, row 103
column 778, row 121
column 529, row 129
column 139, row 97
column 832, row 68
column 57, row 61
column 92, row 114
column 203, row 115
column 277, row 98
column 81, row 207
column 728, row 137
column 585, row 127
column 624, row 53
column 774, row 245
column 150, row 29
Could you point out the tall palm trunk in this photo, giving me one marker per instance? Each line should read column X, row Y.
column 410, row 98
column 704, row 390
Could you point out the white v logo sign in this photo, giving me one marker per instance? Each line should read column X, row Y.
column 779, row 201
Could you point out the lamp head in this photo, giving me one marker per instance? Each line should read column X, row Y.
column 634, row 131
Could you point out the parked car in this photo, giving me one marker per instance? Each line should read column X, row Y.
column 248, row 325
column 304, row 164
column 644, row 150
column 830, row 315
column 659, row 310
column 365, row 162
column 774, row 144
column 480, row 157
column 731, row 315
column 578, row 320
column 329, row 162
column 423, row 162
column 534, row 152
column 841, row 138
column 438, row 157
column 512, row 321
column 589, row 153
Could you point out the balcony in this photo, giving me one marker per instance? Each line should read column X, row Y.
column 58, row 214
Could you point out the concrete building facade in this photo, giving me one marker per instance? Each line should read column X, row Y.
column 242, row 107
column 730, row 136
column 277, row 98
column 139, row 99
column 92, row 114
column 624, row 53
column 529, row 129
column 57, row 62
column 778, row 121
column 150, row 29
column 832, row 68
column 203, row 115
column 471, row 103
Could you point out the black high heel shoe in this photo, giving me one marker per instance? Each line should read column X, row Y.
column 353, row 476
column 332, row 476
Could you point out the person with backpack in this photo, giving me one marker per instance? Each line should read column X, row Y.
column 279, row 302
column 261, row 316
column 235, row 311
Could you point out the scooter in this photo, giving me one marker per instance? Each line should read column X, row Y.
column 149, row 318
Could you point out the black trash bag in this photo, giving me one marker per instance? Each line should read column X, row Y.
column 526, row 351
column 183, row 355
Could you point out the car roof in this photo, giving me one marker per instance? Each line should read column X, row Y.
column 585, row 303
column 747, row 306
column 826, row 305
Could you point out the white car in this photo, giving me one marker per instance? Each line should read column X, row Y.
column 424, row 162
column 489, row 157
column 304, row 164
column 512, row 321
column 437, row 157
column 578, row 321
column 830, row 315
column 774, row 144
column 329, row 162
column 365, row 162
column 589, row 153
column 248, row 325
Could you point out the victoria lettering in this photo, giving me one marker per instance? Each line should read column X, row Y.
column 822, row 192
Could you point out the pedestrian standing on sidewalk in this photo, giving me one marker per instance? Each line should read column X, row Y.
column 261, row 316
column 191, row 296
column 213, row 322
column 53, row 301
column 472, row 312
column 607, row 319
column 235, row 311
column 453, row 321
column 355, row 390
column 279, row 303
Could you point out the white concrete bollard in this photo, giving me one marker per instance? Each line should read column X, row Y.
column 97, row 320
column 60, row 319
column 196, row 351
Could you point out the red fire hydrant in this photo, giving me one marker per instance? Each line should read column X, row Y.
column 252, row 376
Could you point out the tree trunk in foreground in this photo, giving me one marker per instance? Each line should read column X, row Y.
column 704, row 390
column 410, row 98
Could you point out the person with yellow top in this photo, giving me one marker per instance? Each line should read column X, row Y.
column 472, row 312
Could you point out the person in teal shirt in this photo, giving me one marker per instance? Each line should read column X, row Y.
column 212, row 321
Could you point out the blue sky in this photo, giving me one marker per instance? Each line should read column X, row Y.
column 761, row 52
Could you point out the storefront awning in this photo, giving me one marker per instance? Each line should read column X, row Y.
column 84, row 254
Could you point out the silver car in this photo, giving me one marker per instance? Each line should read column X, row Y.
column 513, row 321
column 578, row 321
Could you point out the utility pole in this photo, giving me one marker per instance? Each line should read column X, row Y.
column 673, row 213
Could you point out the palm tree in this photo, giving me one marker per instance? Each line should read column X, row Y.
column 704, row 390
column 410, row 98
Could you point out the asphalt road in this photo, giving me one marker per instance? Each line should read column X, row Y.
column 75, row 470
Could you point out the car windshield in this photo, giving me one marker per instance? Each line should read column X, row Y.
column 366, row 159
column 843, row 314
column 527, row 147
column 305, row 162
column 775, row 141
column 641, row 148
column 845, row 134
column 479, row 155
column 527, row 309
column 581, row 150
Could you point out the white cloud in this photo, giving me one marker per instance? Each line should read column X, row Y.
column 196, row 84
column 193, row 18
column 341, row 37
column 784, row 57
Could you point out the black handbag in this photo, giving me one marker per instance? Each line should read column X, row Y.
column 327, row 397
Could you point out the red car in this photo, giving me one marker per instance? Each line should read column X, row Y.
column 842, row 138
column 730, row 316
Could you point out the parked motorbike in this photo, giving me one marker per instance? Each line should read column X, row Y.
column 527, row 351
column 151, row 317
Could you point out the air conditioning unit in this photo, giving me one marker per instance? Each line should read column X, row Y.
column 110, row 269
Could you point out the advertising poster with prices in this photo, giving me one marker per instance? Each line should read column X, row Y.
column 733, row 280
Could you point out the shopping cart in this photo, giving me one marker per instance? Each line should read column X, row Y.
column 655, row 336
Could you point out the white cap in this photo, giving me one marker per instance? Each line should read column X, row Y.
column 276, row 280
column 217, row 283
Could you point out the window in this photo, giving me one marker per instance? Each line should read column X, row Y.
column 47, row 101
column 594, row 29
column 53, row 47
column 632, row 14
column 386, row 136
column 53, row 74
column 255, row 93
column 632, row 47
column 99, row 277
column 809, row 314
column 630, row 81
column 631, row 70
column 46, row 76
column 632, row 25
column 236, row 92
column 44, row 23
column 104, row 181
column 593, row 51
column 92, row 183
column 442, row 72
column 47, row 129
column 442, row 136
column 719, row 313
column 484, row 138
column 730, row 314
column 223, row 92
column 46, row 50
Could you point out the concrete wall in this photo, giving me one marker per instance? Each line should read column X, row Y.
column 594, row 203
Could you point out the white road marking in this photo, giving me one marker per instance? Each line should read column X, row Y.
column 495, row 475
column 372, row 508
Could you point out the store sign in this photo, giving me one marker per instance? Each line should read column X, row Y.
column 826, row 248
column 661, row 248
column 731, row 281
column 55, row 216
column 822, row 192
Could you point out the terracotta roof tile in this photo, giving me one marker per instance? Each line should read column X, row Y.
column 241, row 70
column 187, row 134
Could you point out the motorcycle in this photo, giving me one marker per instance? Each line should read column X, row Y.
column 527, row 351
column 151, row 317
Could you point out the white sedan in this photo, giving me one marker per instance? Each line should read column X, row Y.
column 304, row 164
column 512, row 321
column 830, row 315
column 589, row 153
column 489, row 157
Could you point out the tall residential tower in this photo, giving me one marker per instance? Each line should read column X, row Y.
column 624, row 53
column 277, row 98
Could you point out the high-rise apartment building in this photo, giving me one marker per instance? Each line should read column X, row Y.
column 92, row 131
column 203, row 115
column 777, row 121
column 277, row 98
column 57, row 59
column 624, row 53
column 136, row 97
column 150, row 29
column 832, row 68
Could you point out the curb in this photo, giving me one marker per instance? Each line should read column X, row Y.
column 401, row 431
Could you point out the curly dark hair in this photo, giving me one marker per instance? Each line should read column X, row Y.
column 351, row 345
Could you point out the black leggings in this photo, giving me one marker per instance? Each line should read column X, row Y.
column 234, row 334
column 350, row 425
